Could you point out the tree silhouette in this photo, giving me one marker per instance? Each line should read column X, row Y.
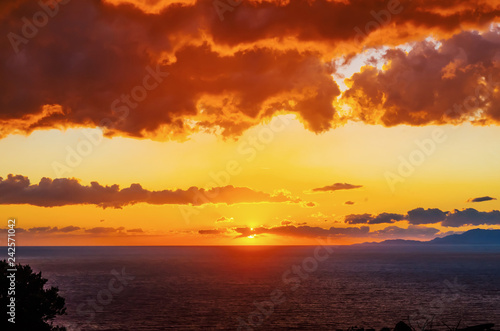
column 35, row 306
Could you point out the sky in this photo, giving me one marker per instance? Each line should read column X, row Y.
column 253, row 122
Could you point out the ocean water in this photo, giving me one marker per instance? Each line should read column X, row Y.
column 269, row 288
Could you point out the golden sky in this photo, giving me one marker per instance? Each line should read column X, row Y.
column 248, row 123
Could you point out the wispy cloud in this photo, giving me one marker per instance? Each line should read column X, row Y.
column 336, row 187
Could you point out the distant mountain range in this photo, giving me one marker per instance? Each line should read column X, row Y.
column 471, row 237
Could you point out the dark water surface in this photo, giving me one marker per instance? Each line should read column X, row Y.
column 191, row 288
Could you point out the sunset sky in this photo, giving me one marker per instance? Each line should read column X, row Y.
column 254, row 122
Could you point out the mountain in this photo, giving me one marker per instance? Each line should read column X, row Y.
column 471, row 237
column 393, row 242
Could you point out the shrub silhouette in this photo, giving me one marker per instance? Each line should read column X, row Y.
column 35, row 306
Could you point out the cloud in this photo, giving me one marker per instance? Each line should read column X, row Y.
column 303, row 231
column 336, row 187
column 481, row 199
column 471, row 216
column 309, row 204
column 48, row 229
column 357, row 218
column 72, row 230
column 63, row 191
column 320, row 215
column 43, row 229
column 417, row 219
column 413, row 231
column 138, row 230
column 224, row 219
column 452, row 83
column 235, row 90
column 288, row 222
column 18, row 230
column 420, row 216
column 212, row 232
column 263, row 58
column 100, row 230
column 372, row 219
column 288, row 230
column 455, row 218
column 426, row 216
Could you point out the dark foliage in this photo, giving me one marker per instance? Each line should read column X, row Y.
column 36, row 306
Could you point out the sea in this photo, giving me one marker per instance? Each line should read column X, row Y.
column 271, row 287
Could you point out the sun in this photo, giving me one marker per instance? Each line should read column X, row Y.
column 252, row 235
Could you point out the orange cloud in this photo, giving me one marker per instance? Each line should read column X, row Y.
column 453, row 83
column 165, row 69
column 224, row 219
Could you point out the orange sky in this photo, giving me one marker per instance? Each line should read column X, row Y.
column 268, row 122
